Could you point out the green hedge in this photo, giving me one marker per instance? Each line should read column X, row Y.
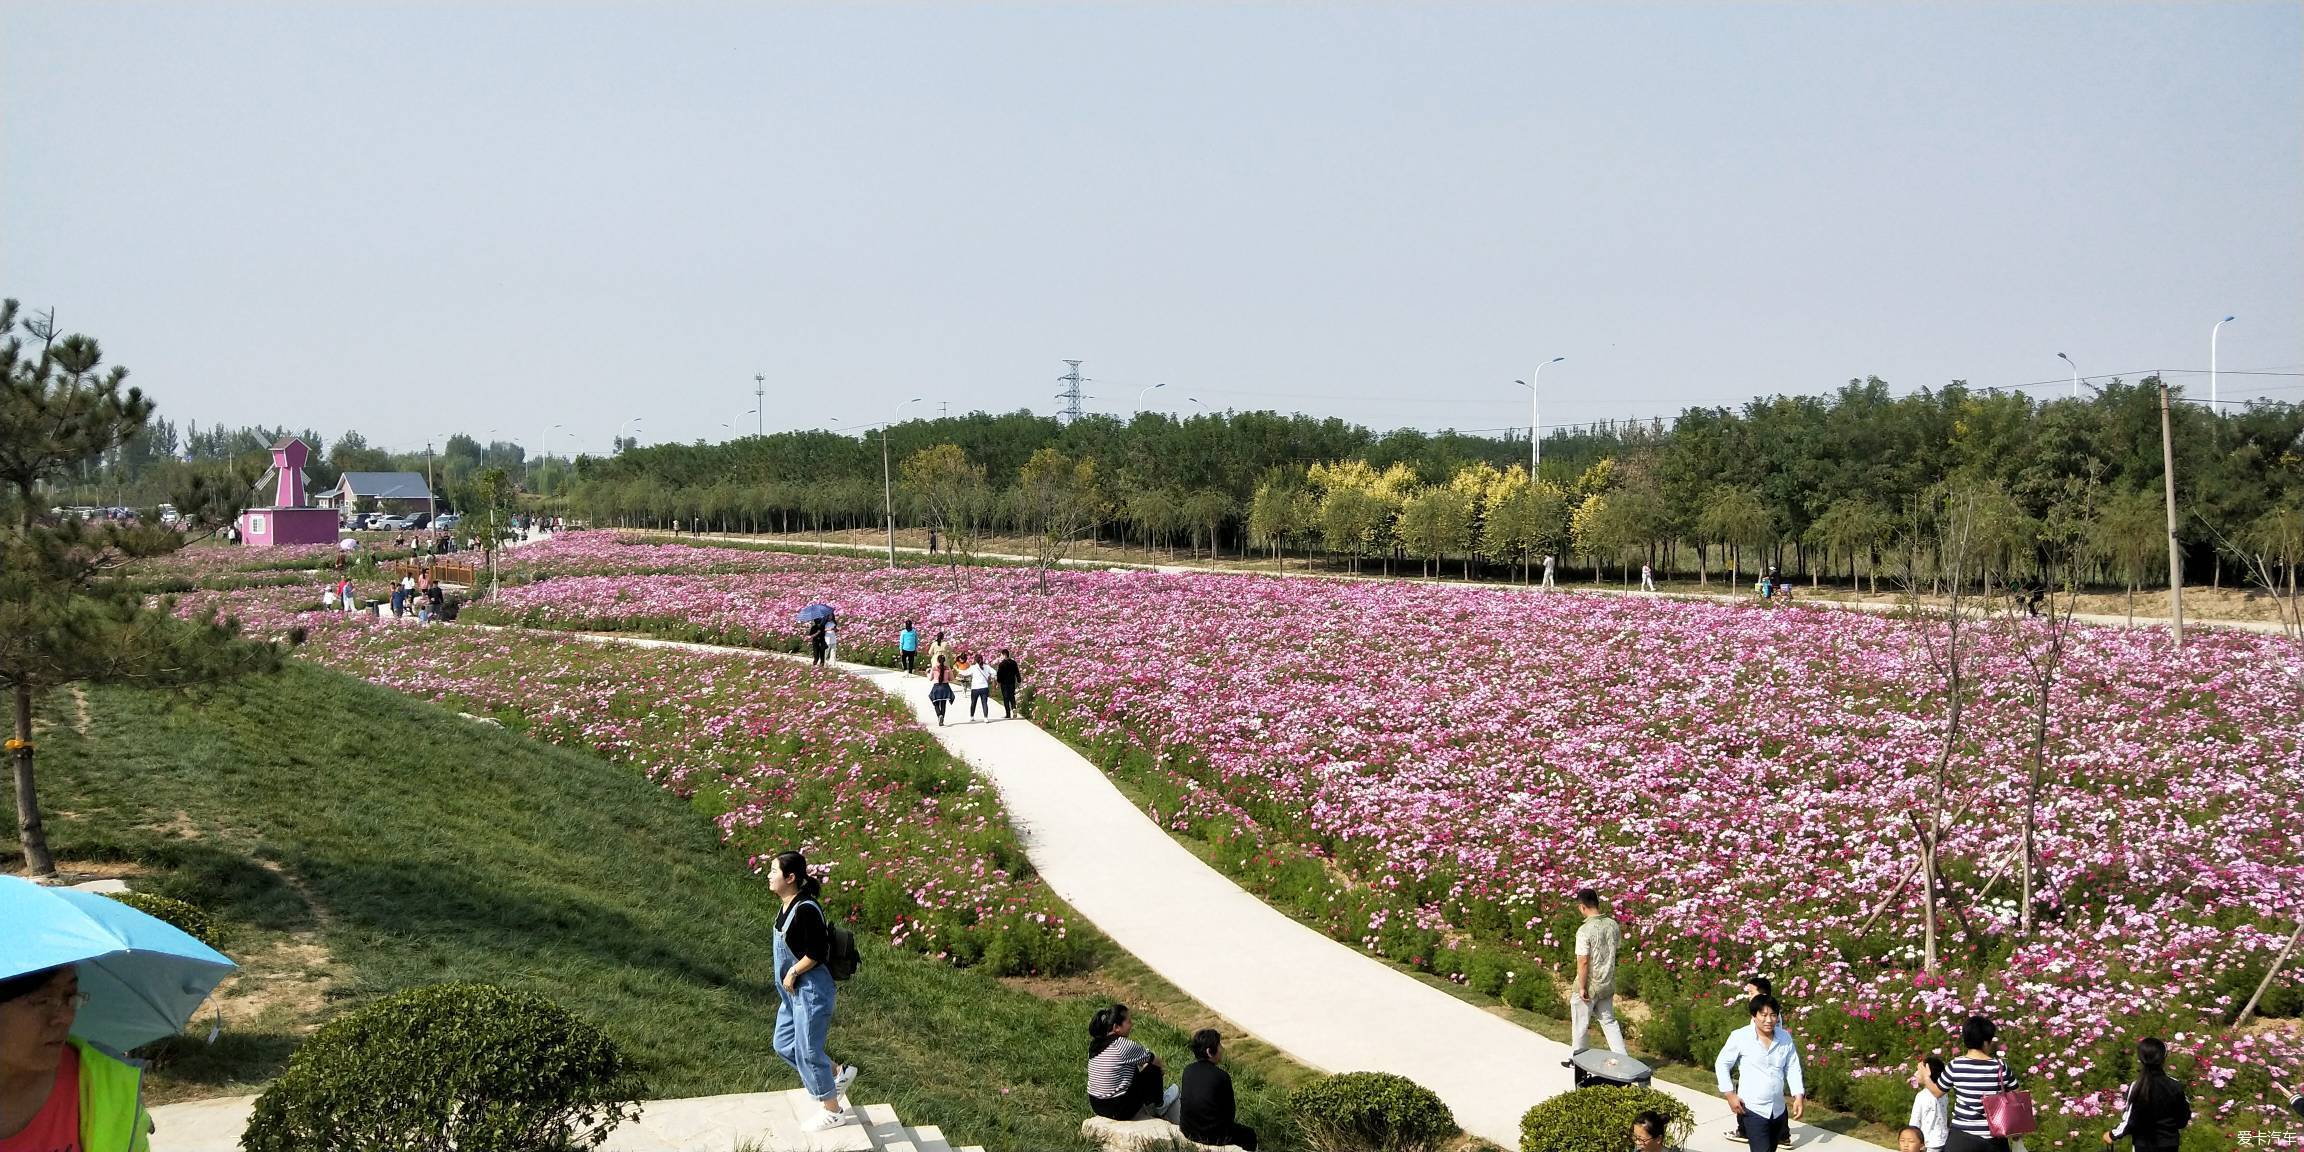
column 1599, row 1119
column 466, row 1066
column 1371, row 1112
column 191, row 920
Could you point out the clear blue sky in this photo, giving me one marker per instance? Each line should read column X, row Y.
column 417, row 219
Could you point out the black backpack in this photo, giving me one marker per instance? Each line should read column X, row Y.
column 842, row 960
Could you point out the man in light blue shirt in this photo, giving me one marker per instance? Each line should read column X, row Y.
column 1766, row 1069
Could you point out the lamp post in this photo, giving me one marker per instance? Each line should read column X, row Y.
column 485, row 447
column 2213, row 410
column 887, row 482
column 2175, row 548
column 738, row 422
column 1146, row 392
column 546, row 457
column 620, row 432
column 1535, row 437
column 2075, row 373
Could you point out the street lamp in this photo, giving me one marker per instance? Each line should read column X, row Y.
column 2213, row 410
column 545, row 456
column 887, row 484
column 485, row 447
column 620, row 432
column 739, row 417
column 1146, row 392
column 1535, row 438
column 2075, row 373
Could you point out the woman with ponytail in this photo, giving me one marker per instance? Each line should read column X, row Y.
column 1124, row 1077
column 804, row 990
column 2155, row 1113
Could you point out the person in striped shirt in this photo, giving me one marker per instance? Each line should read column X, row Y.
column 1124, row 1077
column 1971, row 1076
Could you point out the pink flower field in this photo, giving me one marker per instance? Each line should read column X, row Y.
column 1432, row 771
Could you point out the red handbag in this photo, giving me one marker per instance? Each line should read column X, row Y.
column 2009, row 1113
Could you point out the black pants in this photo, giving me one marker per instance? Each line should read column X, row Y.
column 1144, row 1094
column 1767, row 1133
column 1958, row 1141
column 1008, row 705
column 980, row 697
column 938, row 704
column 1241, row 1136
column 910, row 659
column 818, row 649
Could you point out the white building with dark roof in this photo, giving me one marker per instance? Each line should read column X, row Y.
column 379, row 492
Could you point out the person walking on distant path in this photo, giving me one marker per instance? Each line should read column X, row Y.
column 816, row 641
column 1973, row 1075
column 2155, row 1113
column 908, row 647
column 1548, row 570
column 940, row 687
column 1759, row 1071
column 979, row 688
column 1008, row 675
column 931, row 541
column 804, row 991
column 1647, row 578
column 1593, row 995
column 831, row 640
column 939, row 652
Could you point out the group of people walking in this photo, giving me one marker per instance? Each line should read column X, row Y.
column 949, row 667
column 1973, row 1102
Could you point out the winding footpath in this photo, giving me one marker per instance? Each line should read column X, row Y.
column 1324, row 1004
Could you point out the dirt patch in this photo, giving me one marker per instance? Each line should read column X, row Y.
column 1088, row 985
column 70, row 872
column 283, row 982
column 179, row 827
column 80, row 718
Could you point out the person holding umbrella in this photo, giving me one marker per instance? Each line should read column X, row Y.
column 83, row 979
column 818, row 618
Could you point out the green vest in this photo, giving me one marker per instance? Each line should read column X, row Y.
column 112, row 1116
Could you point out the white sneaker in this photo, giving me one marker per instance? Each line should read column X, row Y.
column 825, row 1121
column 846, row 1077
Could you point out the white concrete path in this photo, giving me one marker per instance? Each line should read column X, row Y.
column 1324, row 1004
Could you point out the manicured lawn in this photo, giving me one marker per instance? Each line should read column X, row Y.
column 354, row 842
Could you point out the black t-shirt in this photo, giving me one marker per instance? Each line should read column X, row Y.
column 1007, row 673
column 1207, row 1103
column 802, row 924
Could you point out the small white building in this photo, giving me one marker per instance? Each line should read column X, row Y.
column 379, row 492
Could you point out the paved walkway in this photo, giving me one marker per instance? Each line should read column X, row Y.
column 1324, row 1004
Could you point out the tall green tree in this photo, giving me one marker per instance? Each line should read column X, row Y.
column 67, row 614
column 1058, row 501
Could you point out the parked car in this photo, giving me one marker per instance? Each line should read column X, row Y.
column 395, row 523
column 448, row 522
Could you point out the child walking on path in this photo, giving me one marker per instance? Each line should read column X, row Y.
column 804, row 996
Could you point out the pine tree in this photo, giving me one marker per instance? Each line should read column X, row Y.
column 67, row 613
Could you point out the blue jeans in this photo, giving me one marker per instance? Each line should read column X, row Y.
column 1765, row 1133
column 803, row 1019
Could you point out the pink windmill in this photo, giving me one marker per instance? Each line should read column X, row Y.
column 290, row 518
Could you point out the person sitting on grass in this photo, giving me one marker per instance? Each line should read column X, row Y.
column 1124, row 1077
column 1210, row 1115
column 57, row 1091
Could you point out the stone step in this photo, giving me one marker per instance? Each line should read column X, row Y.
column 881, row 1122
column 798, row 1106
column 930, row 1138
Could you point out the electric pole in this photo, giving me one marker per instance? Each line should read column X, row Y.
column 2175, row 547
column 431, row 501
column 1071, row 395
column 759, row 404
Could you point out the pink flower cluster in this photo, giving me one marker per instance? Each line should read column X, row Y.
column 1741, row 780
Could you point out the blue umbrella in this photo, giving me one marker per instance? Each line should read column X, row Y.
column 815, row 612
column 143, row 977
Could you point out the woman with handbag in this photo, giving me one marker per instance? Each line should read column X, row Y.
column 1989, row 1104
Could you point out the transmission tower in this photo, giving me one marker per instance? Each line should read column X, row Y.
column 1071, row 395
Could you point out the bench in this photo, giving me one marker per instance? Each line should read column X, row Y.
column 1153, row 1135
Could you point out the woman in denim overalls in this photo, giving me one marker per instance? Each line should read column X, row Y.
column 804, row 990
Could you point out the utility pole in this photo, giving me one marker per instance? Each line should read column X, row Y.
column 943, row 409
column 1071, row 395
column 431, row 500
column 760, row 403
column 2175, row 547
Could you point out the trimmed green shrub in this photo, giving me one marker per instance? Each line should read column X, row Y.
column 190, row 920
column 1599, row 1119
column 1371, row 1112
column 466, row 1066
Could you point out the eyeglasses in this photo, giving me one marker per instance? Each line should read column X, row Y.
column 56, row 1005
